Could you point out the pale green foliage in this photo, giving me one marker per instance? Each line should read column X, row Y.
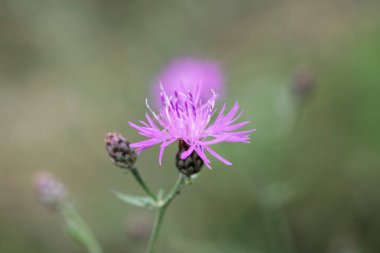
column 140, row 201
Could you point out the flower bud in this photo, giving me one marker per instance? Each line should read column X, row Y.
column 138, row 228
column 304, row 84
column 51, row 192
column 190, row 165
column 122, row 155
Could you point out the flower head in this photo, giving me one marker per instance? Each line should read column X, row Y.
column 119, row 150
column 185, row 117
column 186, row 73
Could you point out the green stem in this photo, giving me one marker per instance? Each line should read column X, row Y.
column 79, row 230
column 156, row 229
column 142, row 183
column 161, row 212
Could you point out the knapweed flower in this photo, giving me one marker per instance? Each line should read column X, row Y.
column 186, row 73
column 119, row 150
column 184, row 117
column 51, row 191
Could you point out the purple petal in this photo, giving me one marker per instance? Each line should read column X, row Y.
column 162, row 149
column 203, row 156
column 217, row 156
column 188, row 152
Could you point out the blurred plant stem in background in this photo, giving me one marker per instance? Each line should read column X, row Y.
column 52, row 193
column 78, row 229
column 274, row 197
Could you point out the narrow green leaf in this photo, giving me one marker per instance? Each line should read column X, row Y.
column 140, row 201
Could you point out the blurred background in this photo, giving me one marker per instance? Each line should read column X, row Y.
column 306, row 74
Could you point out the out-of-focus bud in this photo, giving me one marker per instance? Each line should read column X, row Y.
column 138, row 228
column 51, row 191
column 191, row 165
column 122, row 155
column 304, row 83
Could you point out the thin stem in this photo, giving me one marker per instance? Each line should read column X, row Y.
column 142, row 183
column 175, row 190
column 161, row 212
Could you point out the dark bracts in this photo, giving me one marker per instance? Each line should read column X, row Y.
column 192, row 164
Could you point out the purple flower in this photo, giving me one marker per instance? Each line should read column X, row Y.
column 186, row 73
column 184, row 117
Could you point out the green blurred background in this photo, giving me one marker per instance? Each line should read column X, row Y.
column 70, row 71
